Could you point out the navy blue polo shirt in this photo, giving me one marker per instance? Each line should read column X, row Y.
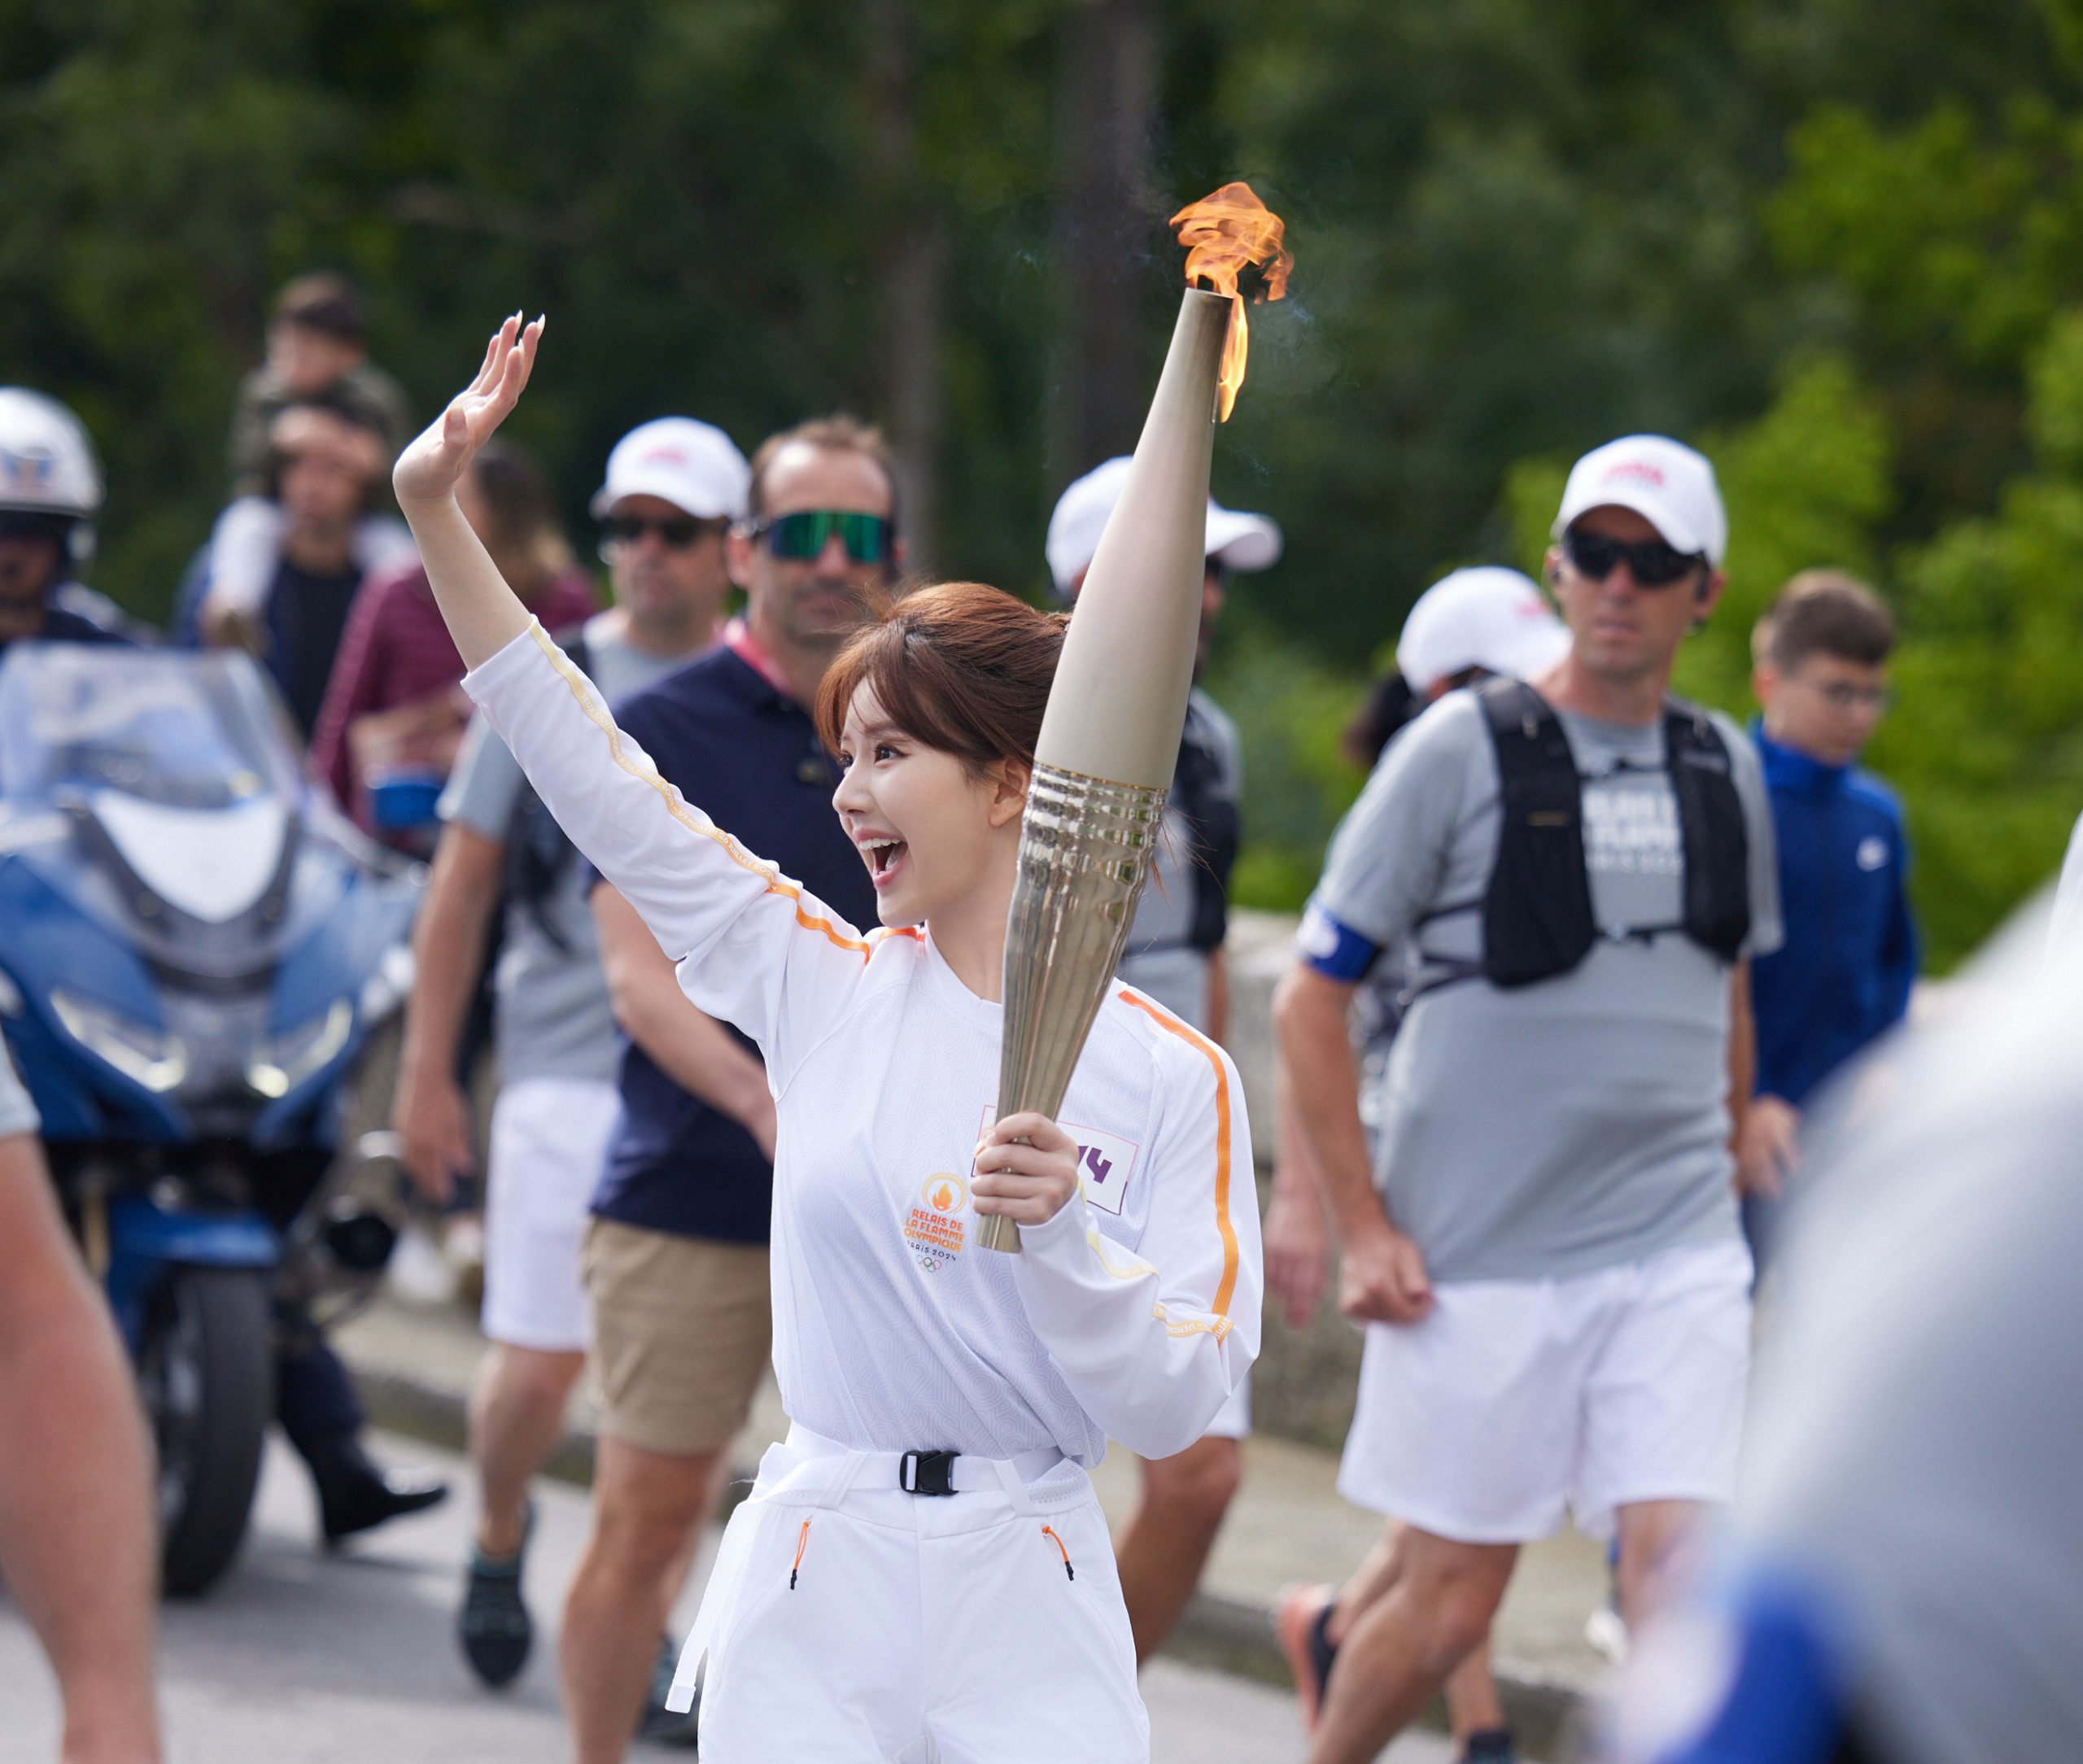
column 748, row 756
column 1843, row 975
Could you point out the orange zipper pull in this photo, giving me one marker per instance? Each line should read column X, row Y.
column 1049, row 1531
column 802, row 1543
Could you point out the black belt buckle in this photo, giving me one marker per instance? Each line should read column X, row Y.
column 927, row 1472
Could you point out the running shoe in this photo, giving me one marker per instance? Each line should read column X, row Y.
column 1606, row 1629
column 1301, row 1623
column 493, row 1625
column 1490, row 1745
column 657, row 1723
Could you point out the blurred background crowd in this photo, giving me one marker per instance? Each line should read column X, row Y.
column 1835, row 245
column 1837, row 248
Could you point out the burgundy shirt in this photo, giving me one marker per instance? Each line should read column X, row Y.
column 396, row 650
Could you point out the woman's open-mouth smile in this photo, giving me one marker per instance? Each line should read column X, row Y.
column 884, row 854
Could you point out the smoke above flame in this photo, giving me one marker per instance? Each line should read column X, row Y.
column 1223, row 232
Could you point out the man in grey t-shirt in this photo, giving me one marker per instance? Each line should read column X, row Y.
column 1555, row 1287
column 674, row 487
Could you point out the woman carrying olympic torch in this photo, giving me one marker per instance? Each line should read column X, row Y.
column 921, row 1570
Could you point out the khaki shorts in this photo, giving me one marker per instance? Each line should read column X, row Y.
column 682, row 1331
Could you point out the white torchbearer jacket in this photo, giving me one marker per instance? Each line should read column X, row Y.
column 1133, row 1313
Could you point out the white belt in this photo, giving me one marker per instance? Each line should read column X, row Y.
column 926, row 1472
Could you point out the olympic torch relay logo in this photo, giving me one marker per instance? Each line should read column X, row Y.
column 934, row 1227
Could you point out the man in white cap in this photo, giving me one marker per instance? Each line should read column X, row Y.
column 674, row 487
column 1175, row 954
column 1554, row 1283
column 1469, row 627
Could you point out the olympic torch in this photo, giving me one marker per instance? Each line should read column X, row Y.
column 1110, row 736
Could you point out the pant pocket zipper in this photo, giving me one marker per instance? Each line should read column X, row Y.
column 802, row 1543
column 1050, row 1532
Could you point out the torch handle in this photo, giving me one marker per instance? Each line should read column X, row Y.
column 997, row 1232
column 1085, row 849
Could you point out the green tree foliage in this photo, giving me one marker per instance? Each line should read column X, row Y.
column 1839, row 245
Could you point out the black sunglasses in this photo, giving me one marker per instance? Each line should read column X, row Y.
column 869, row 539
column 1651, row 563
column 675, row 532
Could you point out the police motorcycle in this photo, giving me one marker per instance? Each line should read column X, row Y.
column 195, row 947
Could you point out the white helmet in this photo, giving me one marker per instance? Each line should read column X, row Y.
column 47, row 464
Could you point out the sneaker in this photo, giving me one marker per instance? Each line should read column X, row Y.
column 493, row 1625
column 1489, row 1745
column 1605, row 1630
column 1301, row 1623
column 664, row 1726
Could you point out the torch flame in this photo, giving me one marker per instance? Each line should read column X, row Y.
column 1222, row 234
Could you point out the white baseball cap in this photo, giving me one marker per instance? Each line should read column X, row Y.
column 1239, row 541
column 1488, row 617
column 1664, row 481
column 693, row 465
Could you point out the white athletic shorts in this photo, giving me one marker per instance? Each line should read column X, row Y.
column 1514, row 1402
column 1232, row 1421
column 848, row 1622
column 549, row 1140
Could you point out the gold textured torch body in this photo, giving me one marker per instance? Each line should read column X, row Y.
column 1110, row 737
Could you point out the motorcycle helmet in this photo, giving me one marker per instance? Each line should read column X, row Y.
column 47, row 464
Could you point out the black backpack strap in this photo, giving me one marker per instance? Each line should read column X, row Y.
column 1717, row 840
column 1537, row 919
column 537, row 851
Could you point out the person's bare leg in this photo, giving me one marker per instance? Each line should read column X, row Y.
column 1654, row 1538
column 1472, row 1704
column 1471, row 1688
column 646, row 1506
column 1165, row 1544
column 78, row 1540
column 516, row 1418
column 682, row 1564
column 1401, row 1650
column 1368, row 1583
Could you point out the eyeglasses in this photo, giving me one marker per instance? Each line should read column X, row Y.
column 675, row 532
column 1650, row 562
column 1841, row 694
column 869, row 539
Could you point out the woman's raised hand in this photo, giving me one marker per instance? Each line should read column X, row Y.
column 427, row 471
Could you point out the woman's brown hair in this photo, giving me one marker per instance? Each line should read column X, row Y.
column 960, row 666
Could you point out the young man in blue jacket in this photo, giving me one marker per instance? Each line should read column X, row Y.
column 1843, row 975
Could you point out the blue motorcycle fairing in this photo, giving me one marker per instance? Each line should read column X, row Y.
column 47, row 944
column 373, row 913
column 145, row 1241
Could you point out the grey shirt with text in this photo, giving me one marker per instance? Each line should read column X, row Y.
column 1582, row 1121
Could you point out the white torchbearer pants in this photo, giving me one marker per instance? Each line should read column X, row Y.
column 849, row 1623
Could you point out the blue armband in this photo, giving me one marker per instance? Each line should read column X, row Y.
column 1334, row 951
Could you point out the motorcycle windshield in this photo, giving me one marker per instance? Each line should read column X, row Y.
column 159, row 791
column 170, row 728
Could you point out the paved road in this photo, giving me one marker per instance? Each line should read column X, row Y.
column 301, row 1658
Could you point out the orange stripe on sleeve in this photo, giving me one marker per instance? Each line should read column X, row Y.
column 580, row 691
column 1165, row 1020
